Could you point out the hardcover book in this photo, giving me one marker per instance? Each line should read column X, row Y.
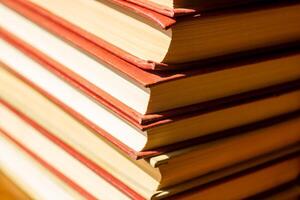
column 69, row 165
column 133, row 137
column 142, row 95
column 164, row 167
column 159, row 42
column 174, row 8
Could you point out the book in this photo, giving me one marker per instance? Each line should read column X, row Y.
column 199, row 38
column 134, row 137
column 31, row 176
column 174, row 8
column 71, row 166
column 267, row 177
column 63, row 166
column 143, row 96
column 132, row 99
column 151, row 173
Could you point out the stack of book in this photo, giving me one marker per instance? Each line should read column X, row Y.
column 149, row 99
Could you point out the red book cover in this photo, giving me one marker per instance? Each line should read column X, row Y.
column 108, row 137
column 32, row 11
column 120, row 185
column 138, row 5
column 142, row 122
column 50, row 168
column 46, row 19
column 94, row 167
column 140, row 76
column 202, row 6
column 124, row 111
